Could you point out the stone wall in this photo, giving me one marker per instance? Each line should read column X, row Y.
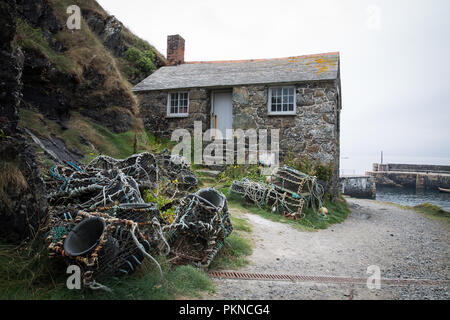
column 430, row 181
column 153, row 111
column 358, row 187
column 313, row 131
column 411, row 167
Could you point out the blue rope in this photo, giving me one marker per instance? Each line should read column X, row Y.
column 74, row 165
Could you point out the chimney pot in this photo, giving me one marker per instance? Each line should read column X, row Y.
column 175, row 50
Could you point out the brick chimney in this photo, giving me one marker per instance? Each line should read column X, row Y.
column 175, row 50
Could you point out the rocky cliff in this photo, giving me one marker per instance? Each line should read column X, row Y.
column 65, row 95
column 23, row 206
column 82, row 70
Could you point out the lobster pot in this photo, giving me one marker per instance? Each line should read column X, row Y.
column 141, row 167
column 102, row 243
column 174, row 168
column 84, row 237
column 120, row 255
column 137, row 212
column 288, row 179
column 201, row 224
column 237, row 191
column 187, row 180
column 250, row 191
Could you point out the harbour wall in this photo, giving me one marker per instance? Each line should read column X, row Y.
column 358, row 186
column 429, row 177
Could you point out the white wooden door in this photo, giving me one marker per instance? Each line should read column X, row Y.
column 223, row 113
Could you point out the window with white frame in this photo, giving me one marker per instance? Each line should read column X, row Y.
column 178, row 104
column 282, row 100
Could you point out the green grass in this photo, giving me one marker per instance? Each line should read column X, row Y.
column 429, row 210
column 240, row 224
column 102, row 140
column 30, row 275
column 233, row 254
column 337, row 213
column 30, row 38
column 119, row 145
column 237, row 246
column 181, row 281
column 238, row 172
column 160, row 143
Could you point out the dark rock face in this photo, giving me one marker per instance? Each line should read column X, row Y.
column 23, row 205
column 9, row 69
column 51, row 93
column 38, row 13
column 109, row 31
column 23, row 208
column 114, row 119
column 55, row 93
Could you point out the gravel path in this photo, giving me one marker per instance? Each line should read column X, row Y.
column 403, row 243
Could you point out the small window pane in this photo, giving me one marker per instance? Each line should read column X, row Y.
column 178, row 103
column 173, row 100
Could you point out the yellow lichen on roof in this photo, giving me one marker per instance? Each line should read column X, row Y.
column 319, row 60
column 323, row 63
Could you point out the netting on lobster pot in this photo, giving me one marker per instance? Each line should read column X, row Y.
column 110, row 242
column 175, row 168
column 288, row 194
column 142, row 167
column 201, row 224
column 92, row 188
column 299, row 185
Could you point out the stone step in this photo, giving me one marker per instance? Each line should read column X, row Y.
column 208, row 173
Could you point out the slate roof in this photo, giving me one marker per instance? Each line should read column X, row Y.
column 242, row 72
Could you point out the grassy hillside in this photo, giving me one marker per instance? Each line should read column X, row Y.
column 82, row 135
column 77, row 85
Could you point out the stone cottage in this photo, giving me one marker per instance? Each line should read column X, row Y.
column 299, row 95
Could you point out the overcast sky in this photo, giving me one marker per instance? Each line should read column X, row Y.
column 395, row 57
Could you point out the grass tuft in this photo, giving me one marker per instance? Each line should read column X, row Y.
column 233, row 253
column 10, row 178
column 29, row 275
column 429, row 210
column 337, row 212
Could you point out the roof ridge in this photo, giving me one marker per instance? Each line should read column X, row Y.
column 261, row 60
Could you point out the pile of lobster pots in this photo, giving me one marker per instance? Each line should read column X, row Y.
column 100, row 222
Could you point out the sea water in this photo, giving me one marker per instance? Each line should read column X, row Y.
column 413, row 197
column 358, row 165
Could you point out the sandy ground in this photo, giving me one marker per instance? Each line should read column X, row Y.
column 403, row 243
